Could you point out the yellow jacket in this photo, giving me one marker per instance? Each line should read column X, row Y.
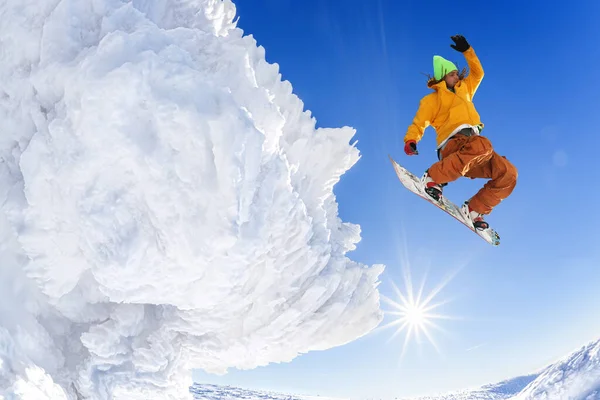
column 444, row 110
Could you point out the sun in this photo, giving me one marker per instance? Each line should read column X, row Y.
column 415, row 316
column 414, row 312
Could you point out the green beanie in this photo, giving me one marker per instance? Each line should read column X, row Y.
column 441, row 67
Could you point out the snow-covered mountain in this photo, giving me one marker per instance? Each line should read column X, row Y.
column 574, row 377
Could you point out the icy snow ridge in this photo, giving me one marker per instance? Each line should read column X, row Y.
column 575, row 377
column 167, row 204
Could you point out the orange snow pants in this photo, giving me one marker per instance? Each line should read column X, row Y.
column 474, row 157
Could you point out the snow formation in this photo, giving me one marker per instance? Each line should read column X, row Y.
column 167, row 204
column 574, row 377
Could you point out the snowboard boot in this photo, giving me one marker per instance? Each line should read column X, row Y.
column 432, row 188
column 474, row 217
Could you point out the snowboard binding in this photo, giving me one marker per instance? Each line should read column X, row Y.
column 434, row 192
column 433, row 189
column 474, row 218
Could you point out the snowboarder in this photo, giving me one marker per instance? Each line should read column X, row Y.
column 461, row 149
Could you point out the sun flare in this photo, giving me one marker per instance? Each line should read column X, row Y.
column 415, row 312
column 415, row 315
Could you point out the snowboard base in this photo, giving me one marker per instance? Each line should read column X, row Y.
column 413, row 183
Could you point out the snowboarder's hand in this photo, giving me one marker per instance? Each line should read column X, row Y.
column 410, row 148
column 461, row 43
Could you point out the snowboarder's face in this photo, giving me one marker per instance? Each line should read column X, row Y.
column 451, row 79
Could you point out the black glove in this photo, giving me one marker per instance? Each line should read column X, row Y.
column 461, row 43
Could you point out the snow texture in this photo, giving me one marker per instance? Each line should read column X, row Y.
column 167, row 204
column 497, row 391
column 215, row 392
column 575, row 377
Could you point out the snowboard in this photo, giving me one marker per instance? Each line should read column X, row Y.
column 413, row 183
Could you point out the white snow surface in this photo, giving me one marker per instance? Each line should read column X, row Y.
column 574, row 377
column 216, row 392
column 167, row 204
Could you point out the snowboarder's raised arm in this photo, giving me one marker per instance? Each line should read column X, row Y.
column 422, row 119
column 475, row 71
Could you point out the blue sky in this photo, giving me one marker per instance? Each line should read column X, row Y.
column 521, row 305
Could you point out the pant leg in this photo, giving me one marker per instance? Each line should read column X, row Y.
column 503, row 179
column 460, row 155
